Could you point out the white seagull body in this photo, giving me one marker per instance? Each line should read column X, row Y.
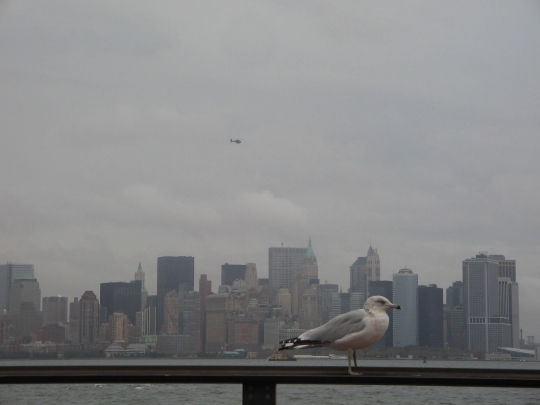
column 348, row 332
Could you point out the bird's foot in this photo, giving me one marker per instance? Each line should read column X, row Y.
column 354, row 372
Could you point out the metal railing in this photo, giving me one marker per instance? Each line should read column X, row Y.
column 259, row 383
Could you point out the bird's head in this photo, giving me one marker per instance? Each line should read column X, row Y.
column 379, row 303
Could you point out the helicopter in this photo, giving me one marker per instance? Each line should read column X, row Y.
column 236, row 141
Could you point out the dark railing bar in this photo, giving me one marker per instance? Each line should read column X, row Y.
column 270, row 375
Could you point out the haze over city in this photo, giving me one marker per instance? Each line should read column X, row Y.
column 413, row 127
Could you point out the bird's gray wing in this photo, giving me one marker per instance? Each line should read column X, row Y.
column 342, row 325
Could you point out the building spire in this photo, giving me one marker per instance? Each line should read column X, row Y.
column 310, row 254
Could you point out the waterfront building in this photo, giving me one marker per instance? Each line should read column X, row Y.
column 8, row 273
column 190, row 320
column 405, row 292
column 118, row 327
column 283, row 265
column 430, row 316
column 171, row 272
column 121, row 297
column 385, row 289
column 88, row 319
column 205, row 289
column 243, row 333
column 55, row 310
column 25, row 305
column 171, row 314
column 487, row 325
column 146, row 322
column 7, row 337
column 455, row 327
column 271, row 334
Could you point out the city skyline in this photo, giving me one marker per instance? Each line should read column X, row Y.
column 412, row 126
column 509, row 271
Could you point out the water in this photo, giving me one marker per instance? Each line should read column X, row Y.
column 199, row 394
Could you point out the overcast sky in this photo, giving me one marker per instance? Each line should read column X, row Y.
column 413, row 125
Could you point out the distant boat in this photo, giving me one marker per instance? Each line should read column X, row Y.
column 280, row 357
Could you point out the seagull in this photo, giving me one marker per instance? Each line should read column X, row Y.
column 348, row 332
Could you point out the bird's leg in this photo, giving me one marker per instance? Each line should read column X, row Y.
column 354, row 358
column 349, row 356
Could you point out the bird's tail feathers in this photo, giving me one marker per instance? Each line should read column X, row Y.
column 297, row 343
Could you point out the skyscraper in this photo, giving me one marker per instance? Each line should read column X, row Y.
column 283, row 265
column 55, row 310
column 364, row 270
column 231, row 272
column 171, row 272
column 310, row 268
column 251, row 276
column 405, row 284
column 8, row 273
column 24, row 305
column 454, row 294
column 88, row 318
column 324, row 298
column 139, row 275
column 121, row 297
column 205, row 289
column 485, row 328
column 430, row 316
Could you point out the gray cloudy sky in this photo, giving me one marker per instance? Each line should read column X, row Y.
column 413, row 124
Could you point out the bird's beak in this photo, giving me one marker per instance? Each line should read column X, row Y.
column 395, row 306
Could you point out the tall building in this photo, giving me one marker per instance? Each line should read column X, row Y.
column 363, row 271
column 171, row 272
column 24, row 306
column 121, row 297
column 283, row 299
column 405, row 284
column 454, row 294
column 118, row 327
column 8, row 273
column 146, row 322
column 72, row 332
column 139, row 275
column 24, row 292
column 190, row 309
column 385, row 289
column 309, row 316
column 232, row 272
column 251, row 276
column 509, row 295
column 205, row 289
column 300, row 284
column 324, row 298
column 485, row 328
column 310, row 268
column 88, row 318
column 430, row 316
column 345, row 302
column 283, row 265
column 55, row 310
column 171, row 314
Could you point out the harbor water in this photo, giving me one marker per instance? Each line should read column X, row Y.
column 206, row 394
